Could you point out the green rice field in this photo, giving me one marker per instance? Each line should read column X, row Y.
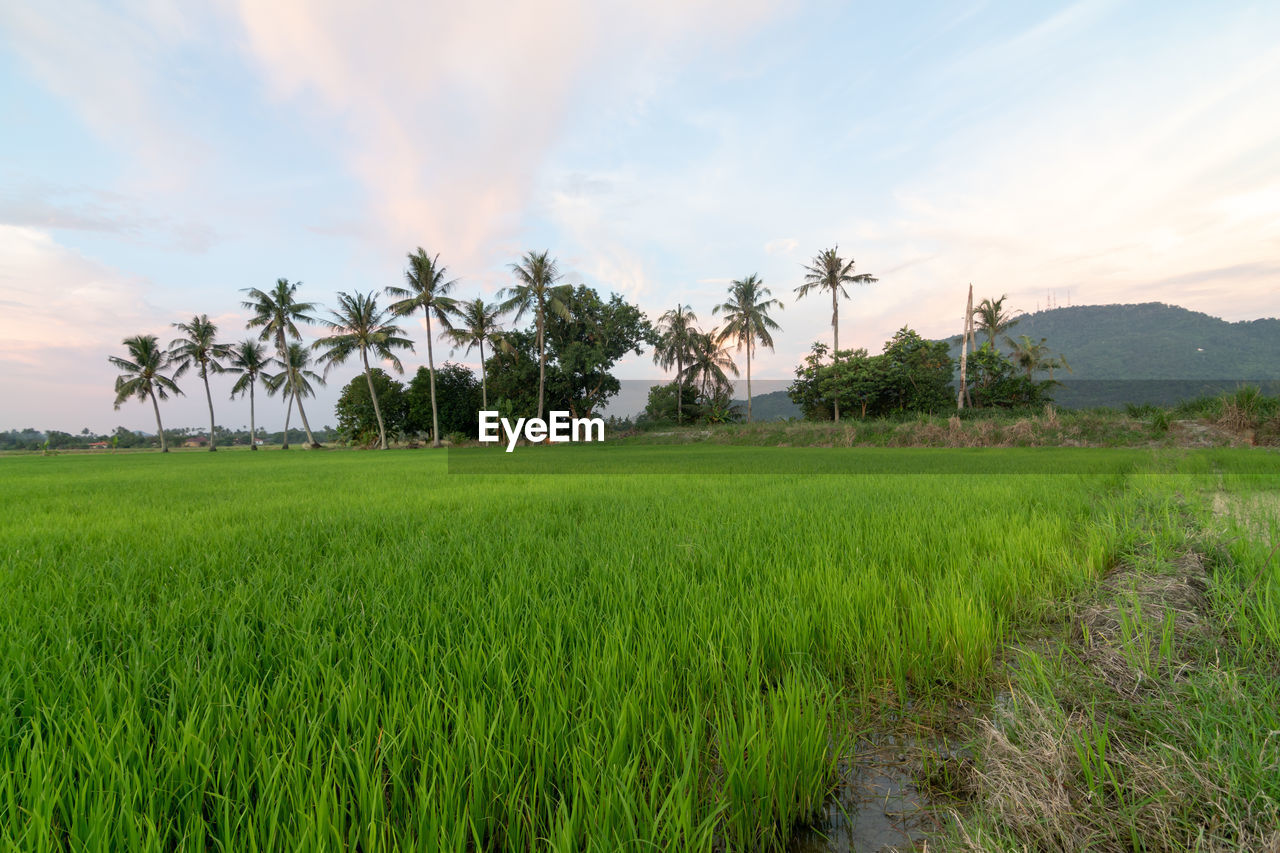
column 306, row 651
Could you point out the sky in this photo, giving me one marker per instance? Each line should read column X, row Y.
column 156, row 159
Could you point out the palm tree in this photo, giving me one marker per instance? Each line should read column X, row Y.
column 277, row 313
column 1032, row 356
column 358, row 325
column 675, row 347
column 709, row 364
column 477, row 323
column 427, row 290
column 831, row 272
column 142, row 376
column 747, row 320
column 296, row 377
column 536, row 290
column 992, row 319
column 249, row 360
column 199, row 347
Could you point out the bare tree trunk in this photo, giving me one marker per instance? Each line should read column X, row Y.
column 204, row 374
column 835, row 343
column 431, row 375
column 373, row 395
column 253, row 426
column 964, row 352
column 164, row 448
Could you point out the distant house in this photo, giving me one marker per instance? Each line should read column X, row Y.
column 259, row 442
column 196, row 441
column 100, row 445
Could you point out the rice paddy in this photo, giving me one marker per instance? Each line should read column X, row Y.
column 305, row 651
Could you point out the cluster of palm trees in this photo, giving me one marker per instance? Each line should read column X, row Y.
column 702, row 360
column 358, row 326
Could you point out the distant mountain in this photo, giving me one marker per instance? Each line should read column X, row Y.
column 774, row 406
column 1150, row 352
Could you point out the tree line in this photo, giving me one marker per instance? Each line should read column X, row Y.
column 566, row 353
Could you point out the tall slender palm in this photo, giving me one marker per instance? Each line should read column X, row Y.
column 359, row 325
column 747, row 320
column 428, row 289
column 249, row 360
column 198, row 347
column 536, row 290
column 142, row 376
column 278, row 313
column 831, row 272
column 709, row 364
column 675, row 347
column 992, row 319
column 295, row 377
column 477, row 323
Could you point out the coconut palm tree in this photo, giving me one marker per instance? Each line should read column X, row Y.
column 359, row 325
column 536, row 290
column 198, row 347
column 278, row 313
column 1035, row 356
column 428, row 289
column 709, row 364
column 831, row 272
column 675, row 347
column 477, row 323
column 295, row 378
column 747, row 320
column 249, row 360
column 992, row 319
column 142, row 376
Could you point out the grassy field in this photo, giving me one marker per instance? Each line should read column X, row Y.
column 309, row 650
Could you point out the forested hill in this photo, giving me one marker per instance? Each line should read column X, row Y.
column 1155, row 341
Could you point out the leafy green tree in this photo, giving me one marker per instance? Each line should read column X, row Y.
column 295, row 378
column 142, row 375
column 991, row 318
column 277, row 313
column 427, row 289
column 830, row 272
column 477, row 325
column 360, row 326
column 536, row 291
column 674, row 347
column 747, row 320
column 459, row 395
column 919, row 373
column 997, row 382
column 359, row 421
column 249, row 361
column 667, row 403
column 198, row 347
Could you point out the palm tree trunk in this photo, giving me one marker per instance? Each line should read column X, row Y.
column 484, row 390
column 748, row 379
column 431, row 372
column 288, row 412
column 164, row 448
column 542, row 363
column 373, row 395
column 208, row 398
column 253, row 427
column 835, row 343
column 311, row 439
column 679, row 389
